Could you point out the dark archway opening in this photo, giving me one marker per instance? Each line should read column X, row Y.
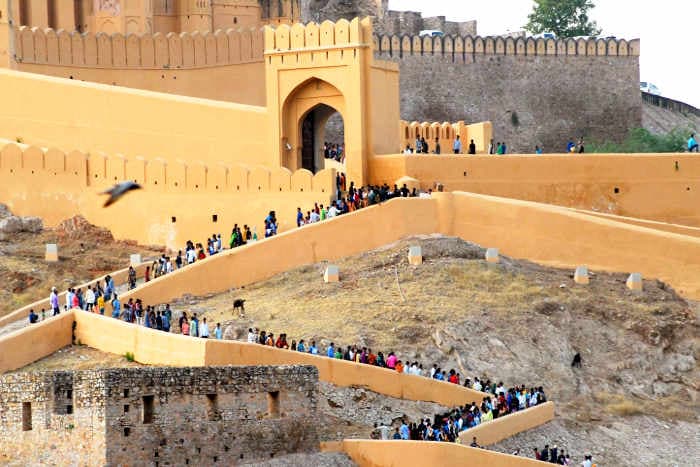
column 322, row 138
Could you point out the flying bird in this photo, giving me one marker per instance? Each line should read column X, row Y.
column 119, row 190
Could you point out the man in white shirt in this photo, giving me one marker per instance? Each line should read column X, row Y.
column 314, row 217
column 588, row 462
column 252, row 336
column 332, row 211
column 204, row 329
column 477, row 385
column 90, row 299
column 384, row 431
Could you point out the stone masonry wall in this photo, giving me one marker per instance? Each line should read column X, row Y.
column 158, row 416
column 54, row 418
column 530, row 100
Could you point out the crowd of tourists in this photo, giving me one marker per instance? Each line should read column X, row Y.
column 334, row 151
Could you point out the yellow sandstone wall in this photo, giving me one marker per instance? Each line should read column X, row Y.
column 180, row 200
column 503, row 428
column 30, row 344
column 54, row 112
column 372, row 453
column 649, row 186
column 224, row 65
column 545, row 234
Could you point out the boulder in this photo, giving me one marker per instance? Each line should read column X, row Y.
column 32, row 224
column 4, row 211
column 10, row 226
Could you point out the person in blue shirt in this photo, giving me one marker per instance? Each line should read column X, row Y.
column 300, row 217
column 405, row 432
column 457, row 146
column 330, row 352
column 218, row 334
column 538, row 150
column 33, row 317
column 116, row 307
column 301, row 347
column 692, row 144
column 166, row 322
column 313, row 349
column 569, row 146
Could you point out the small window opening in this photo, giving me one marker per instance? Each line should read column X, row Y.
column 69, row 409
column 214, row 218
column 126, row 408
column 273, row 404
column 126, row 393
column 213, row 407
column 148, row 409
column 173, row 219
column 69, row 394
column 616, row 190
column 127, row 431
column 26, row 416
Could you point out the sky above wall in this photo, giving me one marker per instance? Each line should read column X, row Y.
column 670, row 43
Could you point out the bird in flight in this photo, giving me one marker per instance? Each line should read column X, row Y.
column 119, row 190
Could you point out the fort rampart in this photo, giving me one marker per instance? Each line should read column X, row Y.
column 181, row 200
column 535, row 91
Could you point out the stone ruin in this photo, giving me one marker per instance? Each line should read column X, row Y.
column 158, row 415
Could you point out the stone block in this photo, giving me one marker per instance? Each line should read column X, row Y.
column 581, row 275
column 634, row 281
column 51, row 252
column 135, row 260
column 492, row 255
column 4, row 211
column 415, row 255
column 331, row 274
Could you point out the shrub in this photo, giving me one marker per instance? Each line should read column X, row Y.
column 129, row 356
column 642, row 140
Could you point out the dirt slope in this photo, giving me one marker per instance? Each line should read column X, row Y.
column 515, row 321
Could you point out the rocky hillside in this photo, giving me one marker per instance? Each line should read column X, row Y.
column 517, row 322
column 85, row 252
column 660, row 121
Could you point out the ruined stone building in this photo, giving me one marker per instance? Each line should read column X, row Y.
column 158, row 416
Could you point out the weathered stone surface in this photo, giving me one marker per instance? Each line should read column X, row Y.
column 9, row 226
column 4, row 211
column 149, row 416
column 321, row 459
column 32, row 224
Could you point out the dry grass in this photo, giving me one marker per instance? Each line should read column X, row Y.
column 78, row 357
column 624, row 405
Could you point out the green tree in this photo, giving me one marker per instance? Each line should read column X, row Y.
column 565, row 18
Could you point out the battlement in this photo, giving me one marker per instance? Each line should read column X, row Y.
column 160, row 175
column 313, row 36
column 148, row 51
column 459, row 47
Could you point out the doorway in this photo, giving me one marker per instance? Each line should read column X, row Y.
column 322, row 139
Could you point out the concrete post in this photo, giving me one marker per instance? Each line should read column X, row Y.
column 51, row 252
column 634, row 281
column 581, row 275
column 415, row 255
column 492, row 255
column 331, row 274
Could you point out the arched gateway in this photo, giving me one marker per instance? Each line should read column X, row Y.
column 314, row 71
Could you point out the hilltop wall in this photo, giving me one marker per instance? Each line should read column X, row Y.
column 646, row 186
column 180, row 201
column 535, row 92
column 223, row 65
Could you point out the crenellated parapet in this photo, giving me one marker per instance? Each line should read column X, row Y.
column 328, row 34
column 81, row 170
column 147, row 51
column 399, row 46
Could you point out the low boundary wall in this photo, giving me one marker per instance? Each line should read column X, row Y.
column 35, row 342
column 503, row 428
column 372, row 453
column 546, row 234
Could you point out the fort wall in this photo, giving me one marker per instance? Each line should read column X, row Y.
column 592, row 86
column 53, row 112
column 180, row 201
column 546, row 234
column 222, row 65
column 662, row 187
column 173, row 416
